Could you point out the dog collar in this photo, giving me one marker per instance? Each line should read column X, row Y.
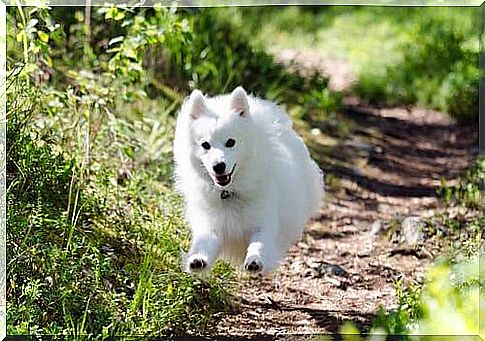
column 225, row 194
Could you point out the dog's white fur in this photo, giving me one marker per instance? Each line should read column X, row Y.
column 275, row 187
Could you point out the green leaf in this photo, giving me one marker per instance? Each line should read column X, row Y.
column 43, row 36
column 110, row 13
column 129, row 151
column 114, row 13
column 119, row 16
column 20, row 36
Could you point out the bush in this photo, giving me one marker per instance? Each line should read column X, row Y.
column 459, row 93
column 424, row 56
column 447, row 304
column 438, row 69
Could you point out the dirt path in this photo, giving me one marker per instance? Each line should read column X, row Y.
column 343, row 268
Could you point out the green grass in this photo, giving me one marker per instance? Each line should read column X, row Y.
column 360, row 37
column 92, row 251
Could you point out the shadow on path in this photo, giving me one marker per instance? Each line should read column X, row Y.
column 398, row 152
column 328, row 320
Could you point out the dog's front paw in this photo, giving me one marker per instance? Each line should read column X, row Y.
column 196, row 263
column 253, row 264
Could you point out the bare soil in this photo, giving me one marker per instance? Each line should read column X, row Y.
column 388, row 167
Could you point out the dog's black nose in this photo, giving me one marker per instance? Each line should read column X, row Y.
column 219, row 168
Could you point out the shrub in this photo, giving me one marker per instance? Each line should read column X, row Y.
column 439, row 68
column 447, row 303
column 459, row 93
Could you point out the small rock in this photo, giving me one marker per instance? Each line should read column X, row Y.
column 425, row 253
column 333, row 281
column 309, row 273
column 303, row 322
column 331, row 269
column 365, row 253
column 412, row 230
column 303, row 245
column 252, row 313
column 272, row 302
column 376, row 227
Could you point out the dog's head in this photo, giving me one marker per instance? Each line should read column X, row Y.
column 219, row 135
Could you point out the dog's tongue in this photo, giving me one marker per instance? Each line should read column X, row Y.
column 222, row 179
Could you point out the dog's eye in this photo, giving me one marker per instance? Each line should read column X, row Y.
column 206, row 145
column 230, row 143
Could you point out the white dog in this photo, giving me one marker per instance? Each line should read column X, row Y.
column 248, row 180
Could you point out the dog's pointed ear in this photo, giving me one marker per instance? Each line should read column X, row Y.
column 239, row 101
column 196, row 104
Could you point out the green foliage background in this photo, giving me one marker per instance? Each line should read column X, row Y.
column 95, row 232
column 401, row 55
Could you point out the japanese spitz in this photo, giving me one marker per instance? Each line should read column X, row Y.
column 247, row 178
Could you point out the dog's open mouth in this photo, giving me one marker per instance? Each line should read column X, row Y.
column 224, row 179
